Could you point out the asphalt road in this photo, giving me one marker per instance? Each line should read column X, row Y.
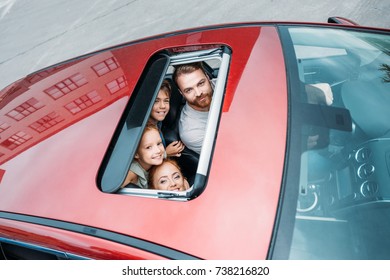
column 35, row 34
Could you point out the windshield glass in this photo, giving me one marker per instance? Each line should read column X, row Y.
column 341, row 119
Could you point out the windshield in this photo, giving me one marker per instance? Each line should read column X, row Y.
column 340, row 111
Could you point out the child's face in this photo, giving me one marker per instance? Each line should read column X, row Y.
column 169, row 178
column 160, row 106
column 151, row 149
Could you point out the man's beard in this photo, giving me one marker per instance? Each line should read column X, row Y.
column 203, row 104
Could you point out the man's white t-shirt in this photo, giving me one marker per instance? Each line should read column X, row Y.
column 192, row 127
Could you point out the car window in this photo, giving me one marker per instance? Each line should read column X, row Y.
column 122, row 149
column 340, row 107
column 17, row 250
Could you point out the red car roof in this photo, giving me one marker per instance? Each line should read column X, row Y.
column 55, row 142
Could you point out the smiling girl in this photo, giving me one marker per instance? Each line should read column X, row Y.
column 160, row 110
column 150, row 152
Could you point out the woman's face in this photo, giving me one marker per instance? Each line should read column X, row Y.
column 160, row 107
column 169, row 178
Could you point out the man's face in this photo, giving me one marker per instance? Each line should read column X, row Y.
column 196, row 89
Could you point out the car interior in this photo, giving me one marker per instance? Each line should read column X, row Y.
column 188, row 160
column 344, row 183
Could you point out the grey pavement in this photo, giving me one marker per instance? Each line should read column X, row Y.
column 38, row 33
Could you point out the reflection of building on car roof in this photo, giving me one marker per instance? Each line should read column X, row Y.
column 60, row 96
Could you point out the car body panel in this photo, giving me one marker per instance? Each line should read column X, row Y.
column 60, row 168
